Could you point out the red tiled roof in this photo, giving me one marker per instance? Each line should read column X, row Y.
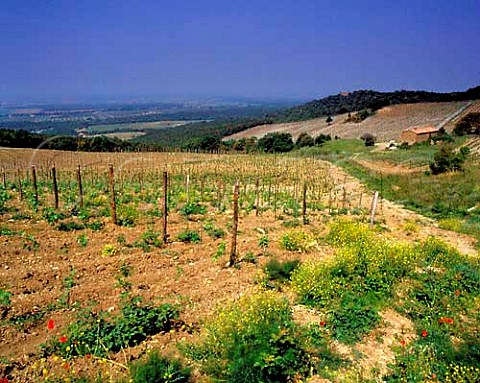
column 423, row 129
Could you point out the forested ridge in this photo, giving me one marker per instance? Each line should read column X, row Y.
column 368, row 99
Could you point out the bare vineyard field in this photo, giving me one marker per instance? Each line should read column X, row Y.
column 386, row 124
column 71, row 278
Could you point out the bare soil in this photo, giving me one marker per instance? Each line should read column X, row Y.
column 386, row 124
column 186, row 274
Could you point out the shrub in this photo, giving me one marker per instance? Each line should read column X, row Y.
column 159, row 369
column 322, row 138
column 304, row 140
column 368, row 139
column 446, row 159
column 276, row 143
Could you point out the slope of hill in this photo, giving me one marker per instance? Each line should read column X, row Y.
column 387, row 123
column 346, row 102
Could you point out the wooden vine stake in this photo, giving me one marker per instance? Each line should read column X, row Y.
column 257, row 196
column 34, row 179
column 4, row 176
column 80, row 188
column 233, row 250
column 20, row 190
column 113, row 203
column 373, row 208
column 187, row 188
column 55, row 186
column 304, row 204
column 165, row 207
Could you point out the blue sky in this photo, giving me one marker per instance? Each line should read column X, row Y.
column 276, row 49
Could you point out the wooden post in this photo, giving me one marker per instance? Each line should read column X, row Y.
column 257, row 196
column 233, row 250
column 187, row 188
column 344, row 199
column 165, row 207
column 373, row 208
column 34, row 179
column 113, row 203
column 55, row 186
column 20, row 190
column 80, row 189
column 304, row 203
column 360, row 201
column 4, row 176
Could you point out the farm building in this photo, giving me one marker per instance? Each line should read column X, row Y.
column 418, row 134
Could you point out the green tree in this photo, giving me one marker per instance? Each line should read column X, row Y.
column 276, row 143
column 304, row 139
column 447, row 159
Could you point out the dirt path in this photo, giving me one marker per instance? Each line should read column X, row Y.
column 397, row 218
column 389, row 168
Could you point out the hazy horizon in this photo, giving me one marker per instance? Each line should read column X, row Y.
column 72, row 52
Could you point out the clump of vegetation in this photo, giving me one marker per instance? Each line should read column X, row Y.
column 192, row 209
column 298, row 240
column 100, row 333
column 214, row 231
column 280, row 271
column 109, row 250
column 127, row 215
column 355, row 284
column 5, row 303
column 251, row 340
column 70, row 226
column 148, row 240
column 159, row 369
column 189, row 236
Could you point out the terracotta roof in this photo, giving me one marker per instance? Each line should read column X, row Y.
column 423, row 129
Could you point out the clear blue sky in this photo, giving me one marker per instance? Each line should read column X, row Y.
column 119, row 49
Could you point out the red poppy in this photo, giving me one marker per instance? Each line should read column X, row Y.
column 424, row 333
column 457, row 292
column 323, row 323
column 88, row 356
column 4, row 380
column 445, row 320
column 62, row 339
column 403, row 343
column 66, row 365
column 51, row 324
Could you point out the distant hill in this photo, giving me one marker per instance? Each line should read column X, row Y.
column 358, row 100
column 386, row 124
